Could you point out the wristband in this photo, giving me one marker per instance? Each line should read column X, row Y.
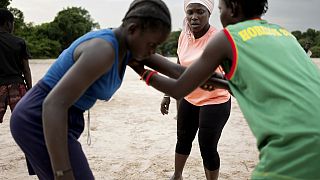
column 149, row 77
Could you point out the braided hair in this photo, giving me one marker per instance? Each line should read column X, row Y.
column 149, row 14
column 5, row 16
column 250, row 8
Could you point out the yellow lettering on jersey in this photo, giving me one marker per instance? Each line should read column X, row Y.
column 284, row 32
column 244, row 35
column 255, row 31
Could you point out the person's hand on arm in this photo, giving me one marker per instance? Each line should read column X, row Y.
column 217, row 80
column 217, row 50
column 173, row 70
column 93, row 58
column 165, row 66
column 137, row 66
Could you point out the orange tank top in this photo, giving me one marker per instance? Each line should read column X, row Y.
column 188, row 51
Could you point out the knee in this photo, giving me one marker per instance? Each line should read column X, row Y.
column 208, row 141
column 211, row 159
column 184, row 143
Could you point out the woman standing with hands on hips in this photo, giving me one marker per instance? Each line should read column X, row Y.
column 204, row 111
column 48, row 120
column 277, row 90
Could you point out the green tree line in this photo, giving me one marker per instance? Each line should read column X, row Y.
column 47, row 40
column 312, row 37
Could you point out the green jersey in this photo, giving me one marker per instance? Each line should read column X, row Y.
column 277, row 87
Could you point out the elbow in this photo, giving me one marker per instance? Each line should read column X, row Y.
column 47, row 108
column 54, row 115
column 51, row 106
column 47, row 104
column 178, row 95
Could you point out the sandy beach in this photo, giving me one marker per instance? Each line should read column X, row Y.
column 131, row 139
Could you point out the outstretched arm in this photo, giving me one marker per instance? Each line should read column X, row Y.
column 165, row 66
column 173, row 70
column 217, row 50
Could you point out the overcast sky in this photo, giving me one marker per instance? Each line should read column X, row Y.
column 291, row 14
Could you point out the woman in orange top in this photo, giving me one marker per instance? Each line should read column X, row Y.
column 207, row 111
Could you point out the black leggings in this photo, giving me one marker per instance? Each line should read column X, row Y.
column 210, row 120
